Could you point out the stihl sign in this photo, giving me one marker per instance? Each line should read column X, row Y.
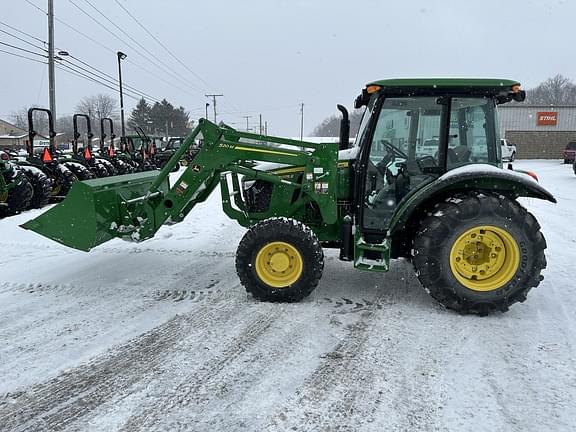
column 549, row 118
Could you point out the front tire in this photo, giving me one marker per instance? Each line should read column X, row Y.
column 479, row 254
column 280, row 260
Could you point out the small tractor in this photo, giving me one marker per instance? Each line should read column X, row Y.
column 16, row 191
column 51, row 179
column 163, row 155
column 423, row 181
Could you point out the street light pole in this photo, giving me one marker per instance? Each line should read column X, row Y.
column 51, row 74
column 207, row 105
column 121, row 56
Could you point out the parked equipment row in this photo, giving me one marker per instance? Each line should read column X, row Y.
column 34, row 179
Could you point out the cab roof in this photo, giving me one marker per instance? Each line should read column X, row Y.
column 423, row 83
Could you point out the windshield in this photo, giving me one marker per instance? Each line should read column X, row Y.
column 408, row 143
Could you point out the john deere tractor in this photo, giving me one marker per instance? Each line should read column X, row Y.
column 423, row 180
column 16, row 192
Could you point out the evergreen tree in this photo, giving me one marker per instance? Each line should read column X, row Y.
column 140, row 116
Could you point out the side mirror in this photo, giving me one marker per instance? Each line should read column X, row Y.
column 520, row 96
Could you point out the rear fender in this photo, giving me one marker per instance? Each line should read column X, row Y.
column 492, row 180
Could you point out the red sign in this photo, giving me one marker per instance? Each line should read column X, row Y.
column 547, row 118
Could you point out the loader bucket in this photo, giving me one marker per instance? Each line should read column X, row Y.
column 93, row 210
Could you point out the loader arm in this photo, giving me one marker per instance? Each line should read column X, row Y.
column 135, row 206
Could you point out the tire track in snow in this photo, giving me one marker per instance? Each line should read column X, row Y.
column 328, row 395
column 198, row 384
column 240, row 375
column 361, row 377
column 55, row 404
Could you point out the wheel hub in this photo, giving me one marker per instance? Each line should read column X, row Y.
column 279, row 264
column 484, row 258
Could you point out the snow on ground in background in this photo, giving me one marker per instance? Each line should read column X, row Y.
column 161, row 336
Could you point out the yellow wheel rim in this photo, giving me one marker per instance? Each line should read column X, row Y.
column 279, row 264
column 56, row 189
column 484, row 258
column 184, row 162
column 4, row 197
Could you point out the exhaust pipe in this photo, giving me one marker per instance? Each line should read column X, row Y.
column 344, row 128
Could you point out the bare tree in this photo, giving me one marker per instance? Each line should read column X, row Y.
column 330, row 127
column 20, row 119
column 97, row 107
column 557, row 90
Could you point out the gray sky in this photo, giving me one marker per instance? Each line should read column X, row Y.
column 267, row 57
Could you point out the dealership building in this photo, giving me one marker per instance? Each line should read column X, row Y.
column 538, row 131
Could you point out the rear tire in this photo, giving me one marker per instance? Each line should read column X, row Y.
column 80, row 171
column 280, row 260
column 108, row 166
column 41, row 185
column 479, row 254
column 62, row 181
column 18, row 197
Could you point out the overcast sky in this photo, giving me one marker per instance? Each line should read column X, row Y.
column 267, row 57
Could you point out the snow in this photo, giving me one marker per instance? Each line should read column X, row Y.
column 480, row 169
column 161, row 336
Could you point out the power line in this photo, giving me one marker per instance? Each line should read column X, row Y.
column 133, row 40
column 159, row 65
column 101, row 45
column 22, row 49
column 106, row 77
column 114, row 52
column 33, row 5
column 66, row 68
column 24, row 57
column 20, row 39
column 23, row 32
column 161, row 44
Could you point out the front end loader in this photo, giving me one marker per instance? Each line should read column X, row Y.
column 423, row 180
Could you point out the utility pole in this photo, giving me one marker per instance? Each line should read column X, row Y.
column 214, row 96
column 266, row 127
column 302, row 121
column 51, row 77
column 260, row 124
column 247, row 125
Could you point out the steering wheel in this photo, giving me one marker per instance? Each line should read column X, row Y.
column 394, row 149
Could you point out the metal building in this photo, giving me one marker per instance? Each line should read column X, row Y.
column 538, row 131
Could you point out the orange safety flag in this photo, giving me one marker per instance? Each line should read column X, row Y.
column 46, row 156
column 87, row 153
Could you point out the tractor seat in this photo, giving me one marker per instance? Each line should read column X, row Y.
column 462, row 153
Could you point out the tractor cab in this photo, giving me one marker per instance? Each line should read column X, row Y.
column 415, row 130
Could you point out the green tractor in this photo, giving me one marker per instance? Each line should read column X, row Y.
column 16, row 191
column 55, row 174
column 164, row 154
column 423, row 181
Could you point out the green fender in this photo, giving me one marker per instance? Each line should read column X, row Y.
column 476, row 178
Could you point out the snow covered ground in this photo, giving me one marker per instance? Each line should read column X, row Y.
column 161, row 336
